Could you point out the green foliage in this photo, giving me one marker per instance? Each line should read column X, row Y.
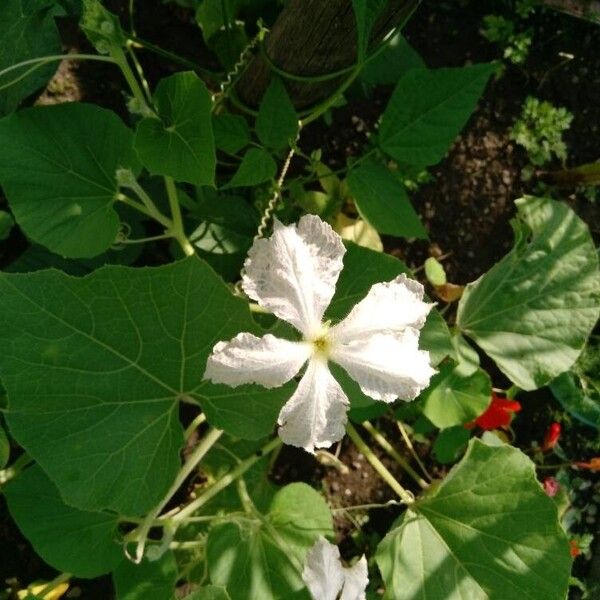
column 150, row 580
column 263, row 558
column 365, row 12
column 540, row 131
column 101, row 27
column 27, row 31
column 120, row 348
column 277, row 121
column 488, row 530
column 60, row 148
column 69, row 539
column 257, row 167
column 455, row 399
column 383, row 202
column 516, row 45
column 533, row 311
column 427, row 111
column 231, row 132
column 180, row 142
column 579, row 391
column 103, row 365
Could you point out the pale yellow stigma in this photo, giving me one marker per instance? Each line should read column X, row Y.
column 320, row 342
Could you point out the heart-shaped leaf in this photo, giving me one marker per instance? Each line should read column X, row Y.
column 487, row 531
column 533, row 311
column 180, row 143
column 59, row 174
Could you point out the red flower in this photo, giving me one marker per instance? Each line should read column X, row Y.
column 498, row 414
column 551, row 486
column 574, row 548
column 551, row 437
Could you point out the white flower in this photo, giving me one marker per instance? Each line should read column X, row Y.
column 325, row 576
column 293, row 274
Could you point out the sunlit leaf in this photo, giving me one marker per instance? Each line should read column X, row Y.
column 487, row 531
column 533, row 311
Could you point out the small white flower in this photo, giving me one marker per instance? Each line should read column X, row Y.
column 325, row 576
column 293, row 274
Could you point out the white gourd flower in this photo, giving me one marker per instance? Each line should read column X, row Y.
column 293, row 275
column 327, row 579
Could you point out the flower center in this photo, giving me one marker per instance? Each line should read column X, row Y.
column 320, row 342
column 321, row 345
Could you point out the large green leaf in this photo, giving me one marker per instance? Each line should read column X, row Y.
column 180, row 143
column 533, row 311
column 455, row 399
column 382, row 201
column 264, row 559
column 95, row 367
column 277, row 121
column 150, row 580
column 27, row 30
column 68, row 539
column 427, row 111
column 57, row 168
column 487, row 531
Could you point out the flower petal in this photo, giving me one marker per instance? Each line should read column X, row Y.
column 388, row 307
column 294, row 272
column 357, row 579
column 387, row 366
column 324, row 574
column 268, row 360
column 315, row 416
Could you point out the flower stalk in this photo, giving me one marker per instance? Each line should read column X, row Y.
column 382, row 471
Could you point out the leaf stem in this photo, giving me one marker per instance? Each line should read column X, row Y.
column 412, row 450
column 146, row 206
column 177, row 228
column 226, row 480
column 141, row 533
column 201, row 418
column 41, row 61
column 118, row 56
column 395, row 454
column 381, row 469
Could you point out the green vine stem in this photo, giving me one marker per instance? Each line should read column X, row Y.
column 412, row 450
column 387, row 447
column 404, row 495
column 140, row 535
column 222, row 483
column 118, row 56
column 177, row 228
column 41, row 61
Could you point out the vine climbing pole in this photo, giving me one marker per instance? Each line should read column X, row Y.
column 312, row 46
